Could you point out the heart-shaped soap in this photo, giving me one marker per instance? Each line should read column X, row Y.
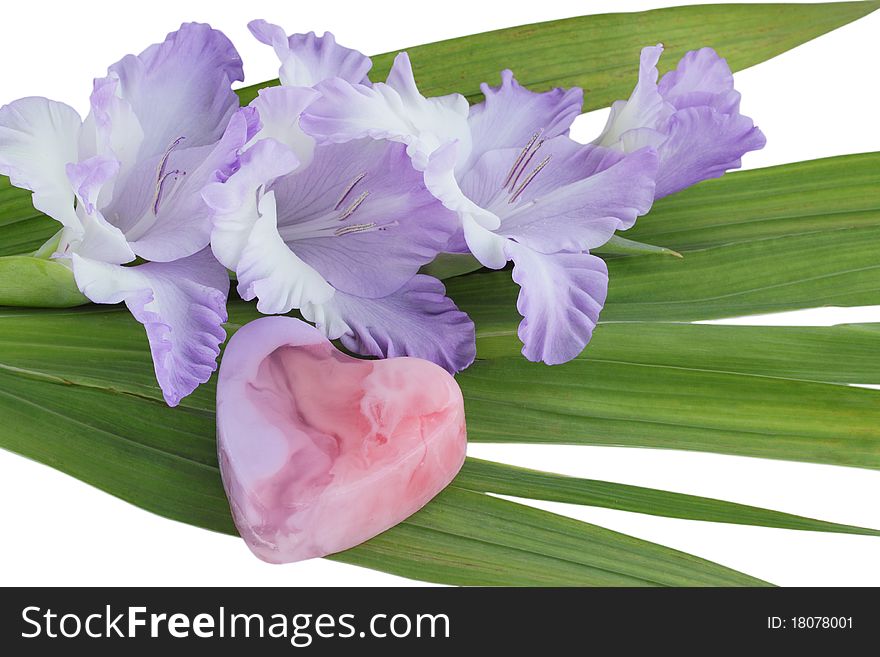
column 320, row 451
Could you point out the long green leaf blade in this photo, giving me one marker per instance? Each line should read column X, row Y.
column 520, row 545
column 501, row 479
column 817, row 196
column 645, row 405
column 834, row 354
column 600, row 52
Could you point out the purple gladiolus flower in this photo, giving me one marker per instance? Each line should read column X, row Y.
column 336, row 231
column 126, row 183
column 523, row 190
column 691, row 118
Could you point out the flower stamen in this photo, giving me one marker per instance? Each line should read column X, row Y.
column 525, row 165
column 520, row 158
column 160, row 186
column 348, row 189
column 529, row 178
column 354, row 206
column 162, row 175
column 353, row 228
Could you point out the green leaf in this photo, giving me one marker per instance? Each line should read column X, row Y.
column 833, row 354
column 22, row 228
column 696, row 387
column 76, row 393
column 600, row 52
column 817, row 196
column 449, row 265
column 488, row 541
column 501, row 479
column 32, row 281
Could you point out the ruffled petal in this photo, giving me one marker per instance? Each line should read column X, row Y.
column 645, row 107
column 307, row 59
column 181, row 304
column 279, row 109
column 691, row 118
column 271, row 272
column 233, row 202
column 394, row 110
column 181, row 87
column 346, row 111
column 511, row 114
column 418, row 320
column 701, row 78
column 38, row 139
column 703, row 144
column 561, row 296
column 360, row 215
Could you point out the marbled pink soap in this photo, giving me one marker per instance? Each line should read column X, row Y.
column 320, row 451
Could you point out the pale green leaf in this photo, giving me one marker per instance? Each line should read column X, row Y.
column 32, row 281
column 618, row 245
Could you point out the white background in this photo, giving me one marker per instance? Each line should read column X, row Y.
column 817, row 100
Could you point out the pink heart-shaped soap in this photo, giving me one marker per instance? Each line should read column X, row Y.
column 320, row 451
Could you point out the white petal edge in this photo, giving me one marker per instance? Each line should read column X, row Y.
column 38, row 139
column 271, row 272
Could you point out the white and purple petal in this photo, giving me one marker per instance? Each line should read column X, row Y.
column 273, row 274
column 395, row 110
column 561, row 296
column 307, row 59
column 234, row 201
column 38, row 139
column 182, row 306
column 702, row 144
column 691, row 118
column 360, row 215
column 570, row 197
column 418, row 320
column 279, row 109
column 181, row 88
column 160, row 206
column 645, row 107
column 440, row 178
column 702, row 78
column 98, row 239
